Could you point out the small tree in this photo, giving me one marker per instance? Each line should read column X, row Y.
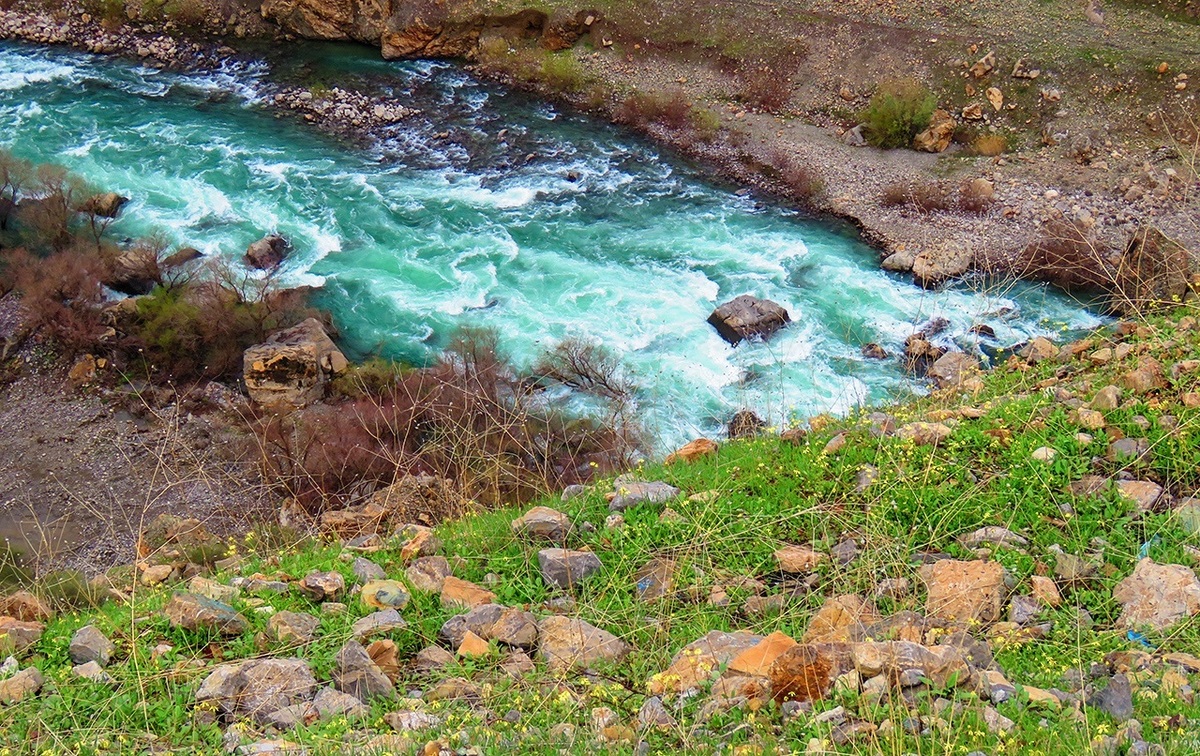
column 15, row 174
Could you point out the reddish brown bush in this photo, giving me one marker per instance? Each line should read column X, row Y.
column 60, row 294
column 767, row 89
column 1068, row 256
column 670, row 109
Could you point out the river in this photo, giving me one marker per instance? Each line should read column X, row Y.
column 491, row 209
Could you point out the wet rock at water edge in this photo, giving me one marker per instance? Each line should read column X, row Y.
column 268, row 252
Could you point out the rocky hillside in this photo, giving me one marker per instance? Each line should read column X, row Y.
column 1007, row 566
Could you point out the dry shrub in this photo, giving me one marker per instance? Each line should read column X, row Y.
column 766, row 89
column 60, row 294
column 797, row 178
column 1068, row 256
column 470, row 418
column 924, row 198
column 989, row 145
column 186, row 12
column 975, row 198
column 897, row 112
column 669, row 109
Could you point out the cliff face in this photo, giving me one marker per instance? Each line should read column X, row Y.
column 416, row 28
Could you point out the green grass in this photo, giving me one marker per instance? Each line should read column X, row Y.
column 765, row 493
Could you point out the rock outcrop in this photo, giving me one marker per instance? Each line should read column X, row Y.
column 268, row 252
column 291, row 369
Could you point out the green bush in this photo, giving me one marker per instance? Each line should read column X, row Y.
column 898, row 112
column 562, row 72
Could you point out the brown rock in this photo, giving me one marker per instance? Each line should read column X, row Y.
column 290, row 369
column 566, row 643
column 1157, row 595
column 20, row 686
column 1147, row 376
column 193, row 612
column 696, row 663
column 16, row 635
column 757, row 660
column 925, row 434
column 26, row 607
column 796, row 559
column 268, row 252
column 692, row 451
column 1046, row 591
column 937, row 137
column 428, row 574
column 953, row 368
column 473, row 645
column 965, row 592
column 464, row 594
column 840, row 619
column 542, row 522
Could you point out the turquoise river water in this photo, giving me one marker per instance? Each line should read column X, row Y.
column 491, row 209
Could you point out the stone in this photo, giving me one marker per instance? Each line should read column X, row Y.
column 655, row 579
column 88, row 644
column 385, row 594
column 20, row 686
column 840, row 619
column 1144, row 494
column 630, row 493
column 195, row 613
column 542, row 523
column 294, row 628
column 268, row 252
column 155, row 574
column 428, row 574
column 378, row 623
column 1042, row 698
column 653, row 715
column 1128, row 450
column 1107, row 399
column 936, row 264
column 1157, row 595
column 1091, row 419
column 1045, row 590
column 1116, row 698
column 798, row 559
column 937, row 137
column 746, row 317
column 431, row 659
column 993, row 535
column 567, row 643
column 959, row 591
column 473, row 645
column 1147, row 376
column 257, row 689
column 1038, row 350
column 25, row 607
column 454, row 689
column 411, row 721
column 983, row 66
column 756, row 661
column 952, row 368
column 464, row 594
column 202, row 586
column 323, row 586
column 292, row 368
column 745, row 424
column 892, row 588
column 806, row 672
column 995, row 721
column 92, row 672
column 1043, row 454
column 995, row 97
column 331, row 703
column 1071, row 569
column 366, row 571
column 924, row 434
column 517, row 665
column 873, row 351
column 356, row 674
column 692, row 451
column 271, row 748
column 697, row 662
column 995, row 687
column 566, row 569
column 1023, row 609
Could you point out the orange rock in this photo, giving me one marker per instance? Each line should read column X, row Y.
column 806, row 672
column 839, row 618
column 758, row 660
column 965, row 592
column 25, row 607
column 473, row 645
column 692, row 451
column 798, row 559
column 464, row 594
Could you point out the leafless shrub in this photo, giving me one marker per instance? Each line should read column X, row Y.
column 669, row 109
column 799, row 180
column 765, row 88
column 1068, row 256
column 924, row 198
column 60, row 295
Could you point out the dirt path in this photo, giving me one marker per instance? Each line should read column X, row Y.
column 82, row 469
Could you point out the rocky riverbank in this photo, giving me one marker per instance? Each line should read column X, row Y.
column 939, row 216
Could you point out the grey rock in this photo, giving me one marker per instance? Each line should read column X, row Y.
column 428, row 573
column 94, row 672
column 360, row 677
column 746, row 317
column 631, row 493
column 654, row 715
column 542, row 522
column 378, row 623
column 566, row 569
column 256, row 689
column 192, row 612
column 323, row 586
column 1023, row 609
column 411, row 721
column 90, row 645
column 331, row 703
column 293, row 627
column 366, row 570
column 1116, row 698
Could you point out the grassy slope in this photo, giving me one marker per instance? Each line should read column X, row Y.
column 767, row 493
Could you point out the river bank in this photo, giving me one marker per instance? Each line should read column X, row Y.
column 1098, row 177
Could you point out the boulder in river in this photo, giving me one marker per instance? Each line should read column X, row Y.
column 744, row 317
column 268, row 252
